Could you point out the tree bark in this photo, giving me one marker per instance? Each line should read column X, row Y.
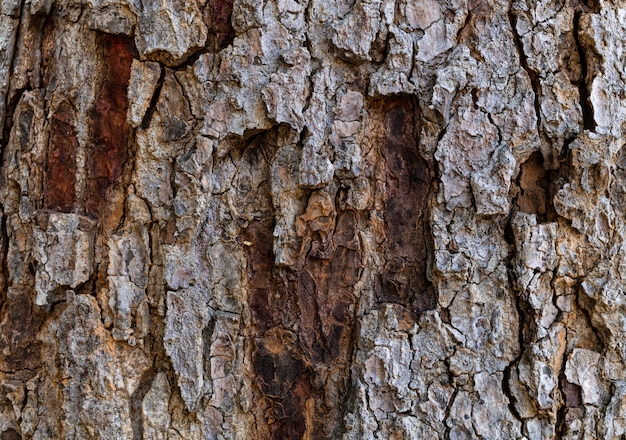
column 322, row 219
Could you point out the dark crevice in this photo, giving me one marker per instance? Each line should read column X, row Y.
column 553, row 176
column 217, row 15
column 560, row 424
column 446, row 417
column 4, row 278
column 466, row 23
column 348, row 402
column 523, row 324
column 54, row 299
column 11, row 106
column 207, row 335
column 589, row 122
column 532, row 75
column 526, row 334
column 565, row 154
column 132, row 48
column 506, row 389
column 190, row 60
column 12, row 99
column 591, row 6
column 145, row 123
column 442, row 133
column 384, row 49
column 497, row 127
column 474, row 95
column 8, row 112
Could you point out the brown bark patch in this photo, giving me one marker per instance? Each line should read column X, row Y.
column 10, row 434
column 303, row 318
column 573, row 394
column 324, row 291
column 533, row 186
column 261, row 286
column 283, row 378
column 408, row 183
column 109, row 130
column 217, row 16
column 18, row 342
column 281, row 372
column 60, row 190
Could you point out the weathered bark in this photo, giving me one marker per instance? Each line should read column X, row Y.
column 312, row 219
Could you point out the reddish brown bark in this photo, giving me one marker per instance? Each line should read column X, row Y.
column 109, row 137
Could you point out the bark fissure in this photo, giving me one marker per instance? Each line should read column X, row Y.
column 533, row 76
column 589, row 122
column 145, row 123
column 6, row 121
column 311, row 221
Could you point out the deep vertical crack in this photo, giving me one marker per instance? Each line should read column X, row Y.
column 145, row 122
column 589, row 122
column 560, row 424
column 10, row 102
column 8, row 113
column 523, row 59
column 4, row 250
column 523, row 336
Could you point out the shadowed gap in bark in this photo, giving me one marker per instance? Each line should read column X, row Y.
column 584, row 81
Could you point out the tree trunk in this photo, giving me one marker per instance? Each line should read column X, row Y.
column 322, row 219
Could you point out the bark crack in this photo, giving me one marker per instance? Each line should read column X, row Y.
column 8, row 112
column 145, row 122
column 560, row 424
column 523, row 58
column 522, row 338
column 589, row 122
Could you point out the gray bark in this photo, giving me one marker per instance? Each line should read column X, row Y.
column 322, row 219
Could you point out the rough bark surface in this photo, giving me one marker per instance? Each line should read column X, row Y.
column 312, row 219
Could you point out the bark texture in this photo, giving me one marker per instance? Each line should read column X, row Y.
column 312, row 219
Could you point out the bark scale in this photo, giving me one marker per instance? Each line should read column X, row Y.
column 312, row 219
